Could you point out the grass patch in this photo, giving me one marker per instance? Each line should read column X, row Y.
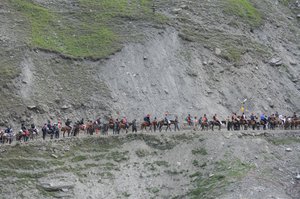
column 106, row 175
column 153, row 190
column 201, row 151
column 118, row 156
column 79, row 158
column 285, row 2
column 173, row 172
column 94, row 32
column 126, row 195
column 225, row 173
column 245, row 10
column 142, row 153
column 283, row 141
column 161, row 163
column 232, row 54
column 233, row 47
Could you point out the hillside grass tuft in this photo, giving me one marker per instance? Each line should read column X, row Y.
column 93, row 32
column 245, row 10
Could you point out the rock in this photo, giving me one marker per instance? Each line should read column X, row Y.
column 288, row 150
column 276, row 61
column 56, row 187
column 183, row 6
column 204, row 63
column 298, row 15
column 295, row 80
column 55, row 156
column 145, row 58
column 64, row 107
column 210, row 62
column 32, row 107
column 293, row 62
column 218, row 51
column 211, row 175
column 176, row 10
column 166, row 91
column 298, row 176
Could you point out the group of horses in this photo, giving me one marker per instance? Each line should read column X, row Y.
column 240, row 123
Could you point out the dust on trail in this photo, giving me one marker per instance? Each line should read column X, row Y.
column 185, row 164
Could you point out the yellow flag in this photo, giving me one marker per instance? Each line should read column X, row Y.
column 242, row 109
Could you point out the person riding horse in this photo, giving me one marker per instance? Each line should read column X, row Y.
column 147, row 119
column 125, row 122
column 68, row 123
column 189, row 119
column 216, row 120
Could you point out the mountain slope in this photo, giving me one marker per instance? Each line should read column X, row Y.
column 85, row 58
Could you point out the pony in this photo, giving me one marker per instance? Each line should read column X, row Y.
column 145, row 124
column 65, row 129
column 215, row 123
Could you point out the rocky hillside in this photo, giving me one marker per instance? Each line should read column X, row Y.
column 174, row 165
column 85, row 58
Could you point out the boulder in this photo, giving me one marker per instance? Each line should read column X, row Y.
column 218, row 51
column 57, row 186
column 64, row 107
column 183, row 6
column 293, row 62
column 32, row 107
column 176, row 10
column 288, row 150
column 275, row 61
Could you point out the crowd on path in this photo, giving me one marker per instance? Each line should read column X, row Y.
column 102, row 126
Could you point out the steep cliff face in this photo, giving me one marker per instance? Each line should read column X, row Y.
column 85, row 58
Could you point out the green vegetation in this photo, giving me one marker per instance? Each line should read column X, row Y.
column 126, row 195
column 142, row 153
column 201, row 151
column 285, row 2
column 118, row 156
column 232, row 54
column 153, row 190
column 161, row 163
column 78, row 158
column 245, row 10
column 283, row 141
column 225, row 172
column 94, row 32
column 232, row 46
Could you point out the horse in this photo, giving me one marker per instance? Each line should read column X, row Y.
column 253, row 124
column 89, row 127
column 274, row 122
column 145, row 124
column 165, row 123
column 6, row 137
column 204, row 126
column 295, row 123
column 215, row 123
column 243, row 123
column 76, row 129
column 124, row 126
column 33, row 133
column 65, row 129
